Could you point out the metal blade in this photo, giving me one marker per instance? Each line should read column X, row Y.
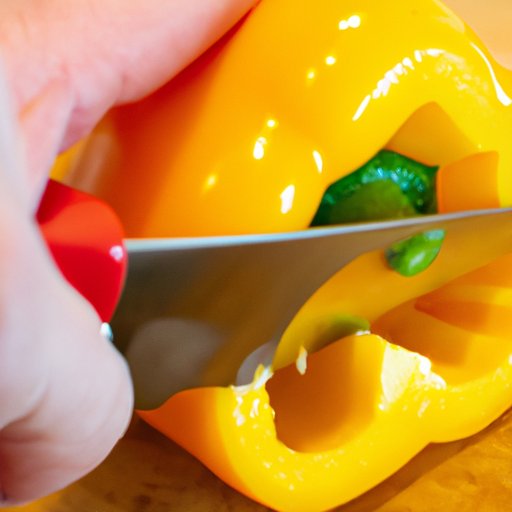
column 191, row 304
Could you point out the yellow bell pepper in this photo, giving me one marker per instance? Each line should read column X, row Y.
column 364, row 406
column 292, row 100
column 247, row 140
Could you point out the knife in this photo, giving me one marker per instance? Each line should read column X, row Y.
column 189, row 301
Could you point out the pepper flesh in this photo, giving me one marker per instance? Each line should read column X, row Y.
column 284, row 106
column 265, row 141
column 364, row 407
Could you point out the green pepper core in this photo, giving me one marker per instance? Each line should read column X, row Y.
column 389, row 186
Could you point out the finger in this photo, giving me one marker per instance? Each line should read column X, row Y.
column 65, row 394
column 43, row 123
column 105, row 51
column 136, row 46
column 11, row 160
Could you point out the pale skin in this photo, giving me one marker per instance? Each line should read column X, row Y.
column 65, row 394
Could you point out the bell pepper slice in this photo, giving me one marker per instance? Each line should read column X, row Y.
column 269, row 119
column 233, row 431
column 363, row 407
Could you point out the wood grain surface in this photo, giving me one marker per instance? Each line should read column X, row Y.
column 148, row 473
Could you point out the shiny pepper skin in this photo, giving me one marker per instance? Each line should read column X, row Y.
column 287, row 104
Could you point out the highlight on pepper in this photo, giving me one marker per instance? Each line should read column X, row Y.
column 342, row 112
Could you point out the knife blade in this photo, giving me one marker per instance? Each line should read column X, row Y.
column 190, row 301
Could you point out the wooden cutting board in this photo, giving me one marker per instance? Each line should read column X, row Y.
column 148, row 473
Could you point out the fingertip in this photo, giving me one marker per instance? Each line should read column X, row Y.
column 84, row 410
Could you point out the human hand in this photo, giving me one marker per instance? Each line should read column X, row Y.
column 65, row 394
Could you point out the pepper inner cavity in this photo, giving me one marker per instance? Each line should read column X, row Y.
column 332, row 401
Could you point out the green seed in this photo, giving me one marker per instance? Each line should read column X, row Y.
column 411, row 256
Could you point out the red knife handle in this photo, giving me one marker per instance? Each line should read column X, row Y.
column 85, row 238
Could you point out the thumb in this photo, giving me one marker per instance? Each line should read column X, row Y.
column 65, row 393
